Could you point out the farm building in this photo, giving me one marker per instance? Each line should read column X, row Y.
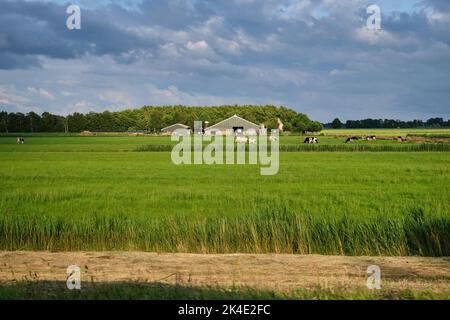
column 177, row 126
column 234, row 125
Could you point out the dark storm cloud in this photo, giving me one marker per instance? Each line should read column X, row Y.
column 34, row 28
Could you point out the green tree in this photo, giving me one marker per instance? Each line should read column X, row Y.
column 336, row 124
column 156, row 120
column 34, row 122
column 300, row 123
column 315, row 126
column 272, row 123
column 52, row 123
column 77, row 122
column 16, row 122
column 4, row 121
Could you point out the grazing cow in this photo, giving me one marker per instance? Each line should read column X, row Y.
column 311, row 140
column 20, row 140
column 351, row 139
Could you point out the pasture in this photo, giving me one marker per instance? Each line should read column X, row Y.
column 388, row 132
column 124, row 143
column 96, row 193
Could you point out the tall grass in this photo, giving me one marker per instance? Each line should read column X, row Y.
column 407, row 147
column 154, row 148
column 276, row 231
column 429, row 135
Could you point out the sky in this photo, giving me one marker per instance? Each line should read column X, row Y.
column 316, row 57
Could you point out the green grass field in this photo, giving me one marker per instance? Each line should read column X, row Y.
column 387, row 132
column 85, row 193
column 122, row 143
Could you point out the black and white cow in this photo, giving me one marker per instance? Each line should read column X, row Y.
column 351, row 139
column 20, row 140
column 311, row 140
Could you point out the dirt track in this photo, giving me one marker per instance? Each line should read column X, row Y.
column 274, row 271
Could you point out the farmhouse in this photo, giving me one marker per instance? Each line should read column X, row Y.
column 177, row 126
column 233, row 125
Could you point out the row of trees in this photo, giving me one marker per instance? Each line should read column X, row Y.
column 153, row 119
column 388, row 123
column 31, row 122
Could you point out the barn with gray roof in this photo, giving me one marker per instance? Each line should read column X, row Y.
column 177, row 126
column 234, row 125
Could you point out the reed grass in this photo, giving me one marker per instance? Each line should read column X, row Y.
column 430, row 135
column 407, row 147
column 276, row 231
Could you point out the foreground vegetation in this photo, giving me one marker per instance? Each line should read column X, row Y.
column 48, row 290
column 272, row 231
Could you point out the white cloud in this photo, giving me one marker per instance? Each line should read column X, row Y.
column 173, row 95
column 372, row 37
column 199, row 46
column 339, row 72
column 7, row 97
column 10, row 97
column 435, row 17
column 246, row 41
column 42, row 92
column 82, row 106
column 228, row 46
column 117, row 98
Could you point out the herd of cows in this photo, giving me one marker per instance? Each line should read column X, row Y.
column 314, row 140
column 310, row 140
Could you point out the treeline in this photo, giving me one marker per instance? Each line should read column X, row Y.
column 153, row 119
column 388, row 124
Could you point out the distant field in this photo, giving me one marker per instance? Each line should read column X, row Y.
column 71, row 143
column 386, row 132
